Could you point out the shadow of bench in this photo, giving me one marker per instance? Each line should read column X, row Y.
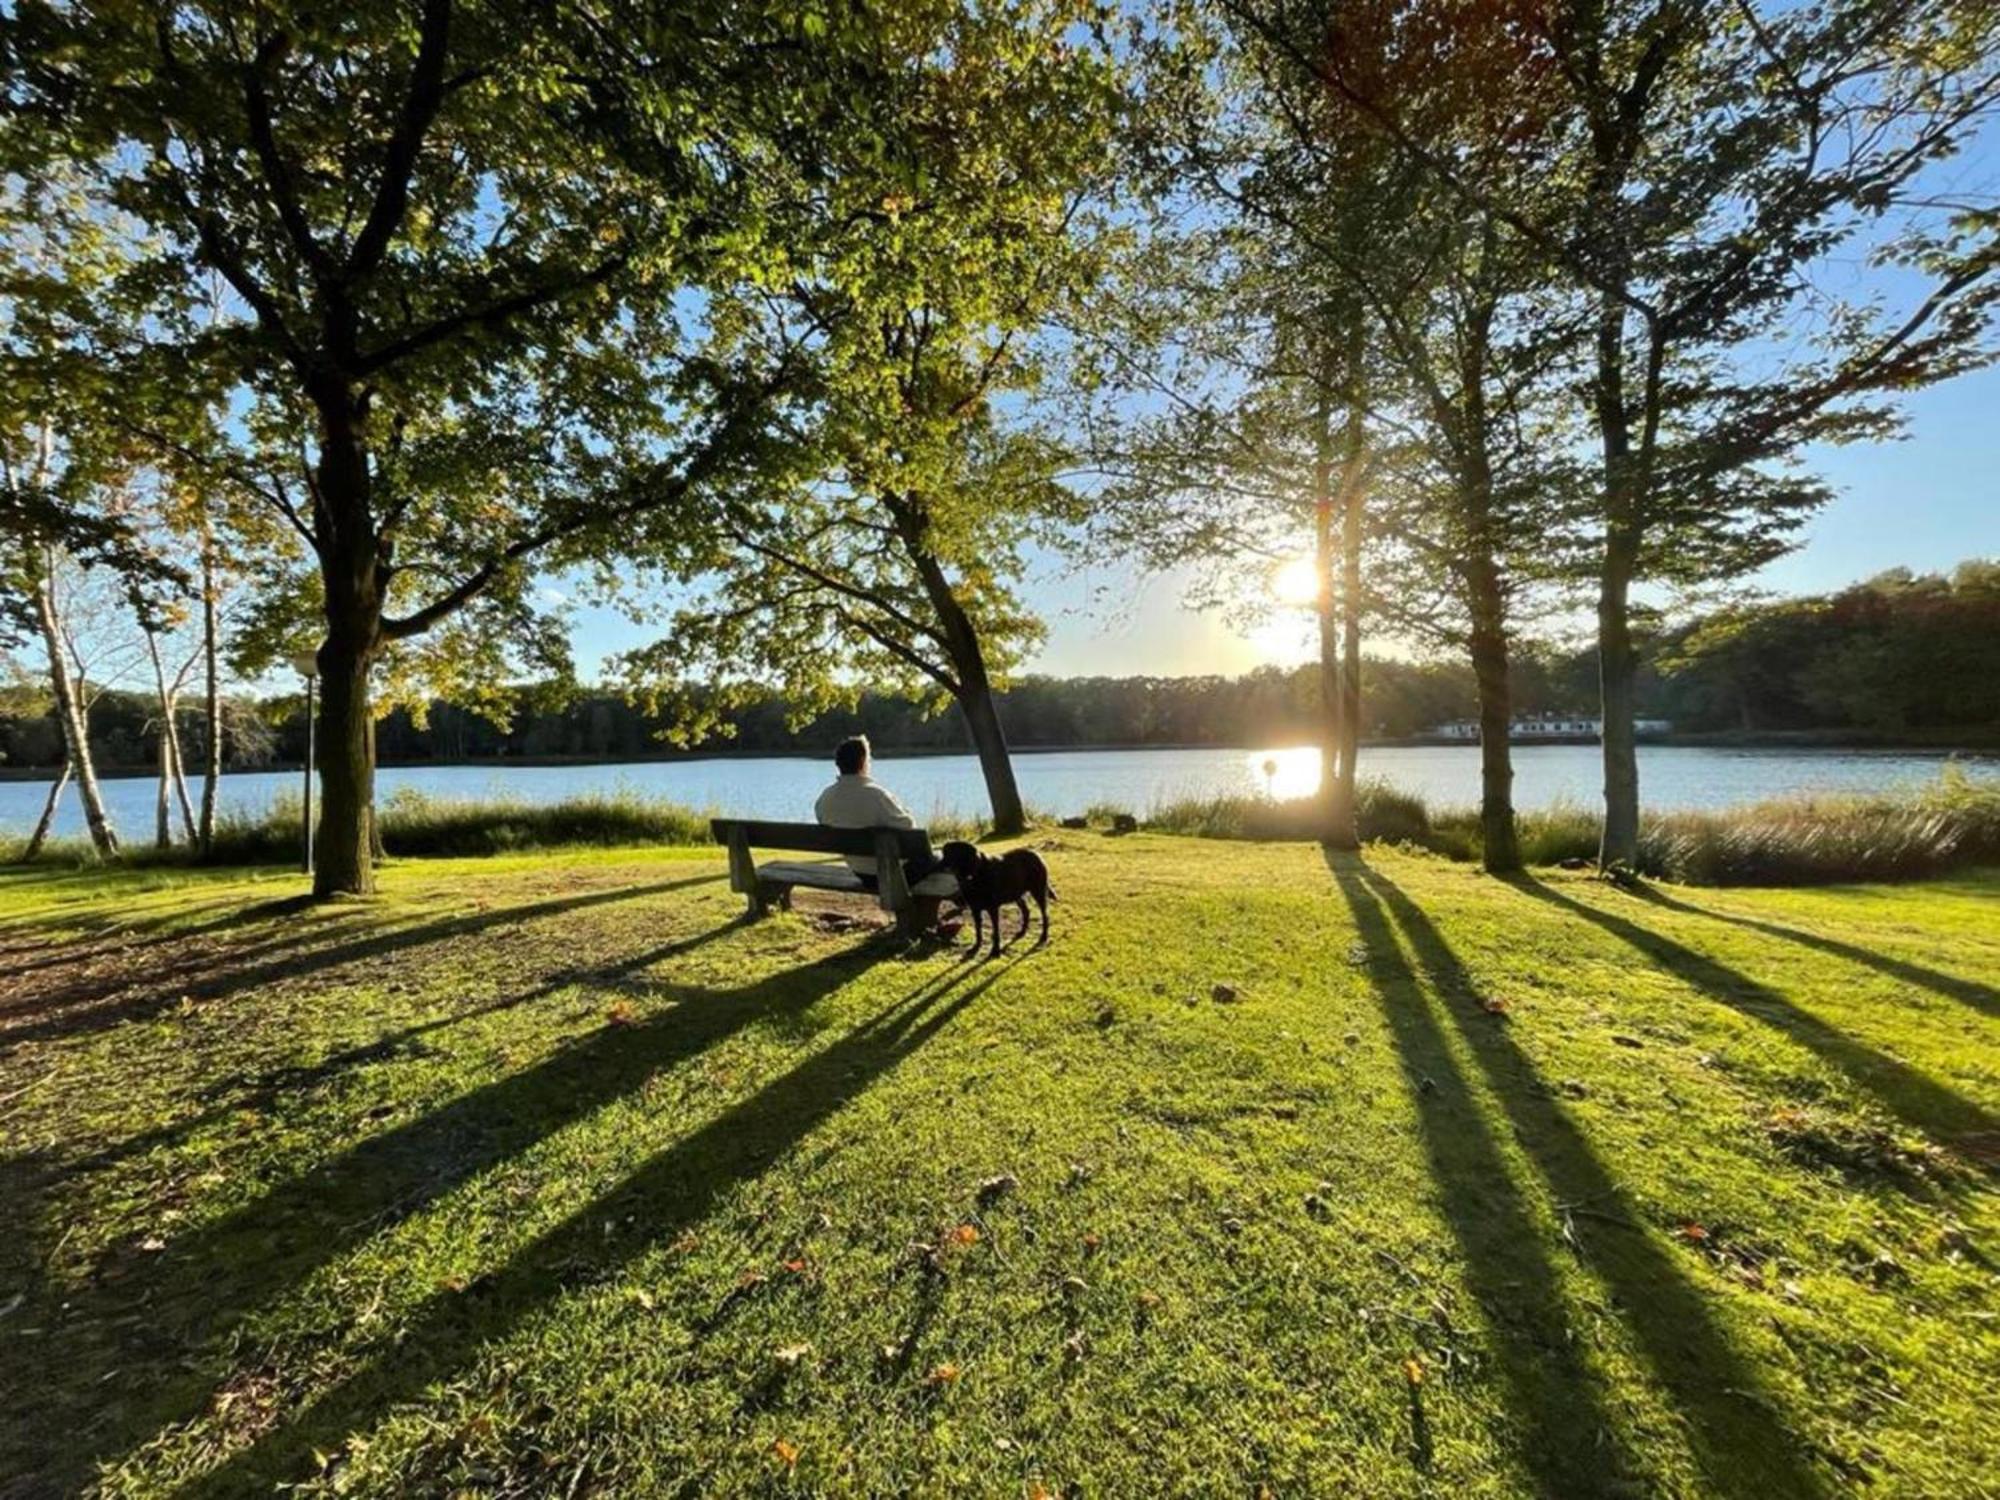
column 763, row 886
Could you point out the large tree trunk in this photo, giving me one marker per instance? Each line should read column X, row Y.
column 1501, row 850
column 211, row 697
column 48, row 818
column 982, row 717
column 1617, row 665
column 343, row 861
column 973, row 687
column 351, row 568
column 70, row 712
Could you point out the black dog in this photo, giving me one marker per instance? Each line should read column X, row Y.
column 985, row 885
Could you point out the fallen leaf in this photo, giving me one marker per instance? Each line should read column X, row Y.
column 787, row 1453
column 1493, row 1005
column 796, row 1266
column 1413, row 1370
column 1693, row 1232
column 965, row 1234
column 997, row 1187
column 944, row 1374
column 622, row 1014
column 790, row 1354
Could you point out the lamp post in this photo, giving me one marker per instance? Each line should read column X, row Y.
column 306, row 663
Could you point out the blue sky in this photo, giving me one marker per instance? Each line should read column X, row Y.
column 1924, row 502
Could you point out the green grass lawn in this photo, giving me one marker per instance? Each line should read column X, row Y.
column 546, row 1176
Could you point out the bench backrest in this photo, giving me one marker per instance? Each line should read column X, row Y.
column 815, row 838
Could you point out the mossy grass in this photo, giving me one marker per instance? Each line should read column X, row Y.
column 544, row 1174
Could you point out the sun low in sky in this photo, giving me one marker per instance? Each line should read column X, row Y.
column 1295, row 582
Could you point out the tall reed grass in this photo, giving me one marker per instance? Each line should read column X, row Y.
column 1951, row 823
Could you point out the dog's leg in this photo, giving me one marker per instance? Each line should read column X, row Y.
column 1023, row 904
column 978, row 935
column 996, row 932
column 1042, row 901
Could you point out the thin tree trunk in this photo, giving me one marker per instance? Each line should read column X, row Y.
column 71, row 713
column 375, row 850
column 172, row 778
column 48, row 818
column 1337, row 814
column 211, row 698
column 181, row 797
column 1618, row 667
column 1500, row 846
column 1353, row 498
column 163, row 832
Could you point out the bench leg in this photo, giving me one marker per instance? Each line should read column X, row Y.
column 767, row 895
column 919, row 917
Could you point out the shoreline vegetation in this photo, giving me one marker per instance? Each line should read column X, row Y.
column 1950, row 824
column 1980, row 741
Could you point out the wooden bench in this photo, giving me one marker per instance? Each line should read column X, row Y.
column 771, row 883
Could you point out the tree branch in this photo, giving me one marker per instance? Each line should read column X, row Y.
column 493, row 312
column 421, row 103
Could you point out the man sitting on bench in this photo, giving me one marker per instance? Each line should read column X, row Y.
column 857, row 800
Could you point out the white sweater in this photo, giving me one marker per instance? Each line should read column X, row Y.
column 861, row 802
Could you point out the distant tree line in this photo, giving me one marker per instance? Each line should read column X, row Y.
column 1901, row 654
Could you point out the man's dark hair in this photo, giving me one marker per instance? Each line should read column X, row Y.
column 852, row 755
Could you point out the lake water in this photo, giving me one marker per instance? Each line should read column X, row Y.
column 1068, row 781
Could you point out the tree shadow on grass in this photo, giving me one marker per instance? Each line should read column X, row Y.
column 1557, row 1400
column 1909, row 1093
column 95, row 1002
column 1970, row 992
column 261, row 1092
column 164, row 1320
column 669, row 1193
column 1743, row 1449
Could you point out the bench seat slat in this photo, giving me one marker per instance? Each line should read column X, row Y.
column 812, row 838
column 824, row 875
column 827, row 875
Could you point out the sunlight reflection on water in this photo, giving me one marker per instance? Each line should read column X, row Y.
column 1285, row 774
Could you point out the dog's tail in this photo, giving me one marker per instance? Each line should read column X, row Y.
column 1050, row 891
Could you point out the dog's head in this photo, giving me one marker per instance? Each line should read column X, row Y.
column 960, row 858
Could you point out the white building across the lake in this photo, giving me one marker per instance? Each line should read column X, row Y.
column 1567, row 728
